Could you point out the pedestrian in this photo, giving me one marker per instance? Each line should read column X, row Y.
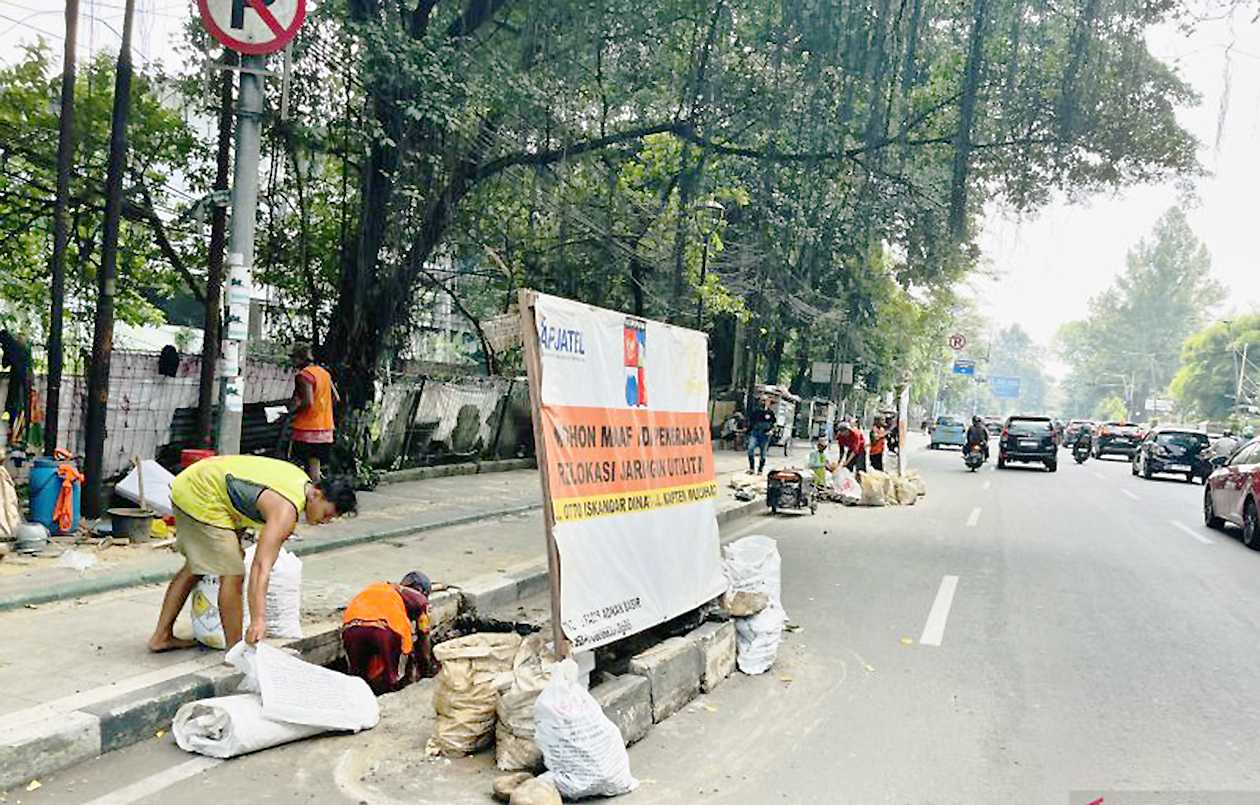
column 15, row 355
column 852, row 447
column 760, row 424
column 879, row 440
column 385, row 633
column 215, row 500
column 314, row 395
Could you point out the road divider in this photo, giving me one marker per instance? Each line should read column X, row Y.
column 1194, row 534
column 934, row 629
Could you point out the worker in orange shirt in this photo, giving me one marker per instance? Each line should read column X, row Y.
column 314, row 395
column 385, row 633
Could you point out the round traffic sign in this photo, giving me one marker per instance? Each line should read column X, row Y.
column 958, row 341
column 253, row 27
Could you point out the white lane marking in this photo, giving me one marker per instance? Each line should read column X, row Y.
column 934, row 629
column 974, row 517
column 1130, row 494
column 987, row 484
column 1193, row 533
column 157, row 782
column 1100, row 476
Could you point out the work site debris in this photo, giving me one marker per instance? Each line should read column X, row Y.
column 538, row 791
column 468, row 690
column 907, row 495
column 284, row 699
column 582, row 749
column 76, row 560
column 507, row 783
column 514, row 746
column 748, row 484
column 752, row 565
column 744, row 603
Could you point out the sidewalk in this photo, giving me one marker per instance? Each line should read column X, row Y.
column 388, row 512
column 79, row 681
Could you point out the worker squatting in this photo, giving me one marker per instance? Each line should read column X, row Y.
column 571, row 473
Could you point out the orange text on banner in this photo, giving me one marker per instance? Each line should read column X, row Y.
column 611, row 452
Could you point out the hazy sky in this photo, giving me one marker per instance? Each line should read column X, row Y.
column 1048, row 264
column 1051, row 263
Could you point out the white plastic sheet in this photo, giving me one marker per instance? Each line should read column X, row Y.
column 285, row 699
column 157, row 487
column 582, row 749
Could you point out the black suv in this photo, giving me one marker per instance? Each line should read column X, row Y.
column 1180, row 451
column 1117, row 438
column 1030, row 439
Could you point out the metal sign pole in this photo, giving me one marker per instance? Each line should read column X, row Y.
column 249, row 110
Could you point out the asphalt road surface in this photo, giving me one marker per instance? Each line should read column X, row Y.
column 1016, row 637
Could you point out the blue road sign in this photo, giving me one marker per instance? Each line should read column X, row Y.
column 1006, row 388
column 962, row 367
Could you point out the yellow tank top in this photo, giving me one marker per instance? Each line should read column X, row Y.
column 201, row 490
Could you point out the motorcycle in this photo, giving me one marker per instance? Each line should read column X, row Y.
column 974, row 457
column 1080, row 452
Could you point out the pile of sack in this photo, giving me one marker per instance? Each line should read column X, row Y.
column 752, row 566
column 887, row 489
column 499, row 688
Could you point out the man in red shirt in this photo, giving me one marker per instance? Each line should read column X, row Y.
column 852, row 448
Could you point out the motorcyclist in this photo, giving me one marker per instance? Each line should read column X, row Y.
column 977, row 434
column 1084, row 440
column 1225, row 446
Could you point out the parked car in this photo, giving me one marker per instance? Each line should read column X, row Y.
column 1073, row 430
column 1180, row 451
column 1029, row 439
column 948, row 430
column 1232, row 494
column 1117, row 439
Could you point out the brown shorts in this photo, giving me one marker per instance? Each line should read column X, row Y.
column 210, row 550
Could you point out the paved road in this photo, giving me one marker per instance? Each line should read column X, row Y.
column 1017, row 636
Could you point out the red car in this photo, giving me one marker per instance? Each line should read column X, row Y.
column 1232, row 494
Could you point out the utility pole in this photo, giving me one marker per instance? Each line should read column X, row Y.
column 213, row 331
column 103, row 329
column 1242, row 375
column 65, row 160
column 249, row 109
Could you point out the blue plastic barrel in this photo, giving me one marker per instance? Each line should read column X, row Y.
column 45, row 488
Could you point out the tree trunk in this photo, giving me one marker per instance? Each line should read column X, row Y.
column 966, row 121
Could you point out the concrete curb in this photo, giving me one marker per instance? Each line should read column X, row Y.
column 448, row 470
column 137, row 578
column 49, row 738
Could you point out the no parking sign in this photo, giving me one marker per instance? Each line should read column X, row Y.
column 254, row 27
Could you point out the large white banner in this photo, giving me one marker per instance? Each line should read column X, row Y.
column 630, row 468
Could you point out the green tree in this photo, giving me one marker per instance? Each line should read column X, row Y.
column 155, row 259
column 1134, row 334
column 1207, row 382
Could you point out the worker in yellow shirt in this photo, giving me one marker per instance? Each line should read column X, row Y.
column 215, row 500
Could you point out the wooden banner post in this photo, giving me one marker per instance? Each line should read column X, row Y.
column 533, row 369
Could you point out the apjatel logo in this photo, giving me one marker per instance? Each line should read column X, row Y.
column 634, row 350
column 561, row 341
